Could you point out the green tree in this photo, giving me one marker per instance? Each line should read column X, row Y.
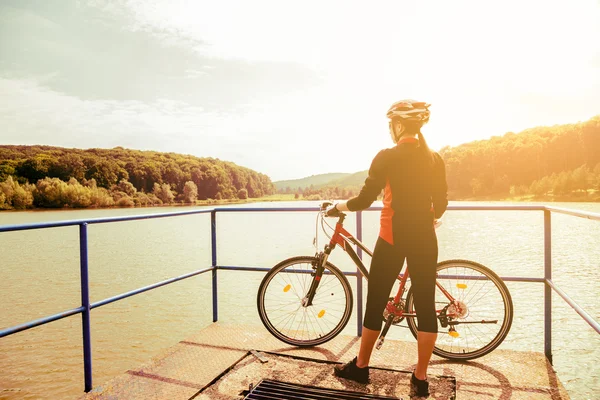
column 242, row 194
column 126, row 187
column 14, row 195
column 190, row 192
column 596, row 177
column 68, row 166
column 476, row 186
column 106, row 173
column 35, row 168
column 581, row 178
column 50, row 193
column 7, row 168
column 174, row 176
column 163, row 192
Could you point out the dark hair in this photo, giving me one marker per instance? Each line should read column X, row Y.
column 415, row 128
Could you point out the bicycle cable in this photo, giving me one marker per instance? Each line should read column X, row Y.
column 316, row 238
column 323, row 223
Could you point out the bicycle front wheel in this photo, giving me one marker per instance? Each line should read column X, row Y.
column 480, row 320
column 282, row 306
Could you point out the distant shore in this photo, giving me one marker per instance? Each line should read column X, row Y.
column 208, row 202
column 570, row 198
column 581, row 198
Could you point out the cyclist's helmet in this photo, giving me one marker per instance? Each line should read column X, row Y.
column 410, row 111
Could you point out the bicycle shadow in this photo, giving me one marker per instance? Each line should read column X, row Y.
column 503, row 390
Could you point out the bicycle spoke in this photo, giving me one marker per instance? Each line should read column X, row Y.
column 486, row 299
column 281, row 306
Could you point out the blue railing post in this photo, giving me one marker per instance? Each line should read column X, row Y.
column 547, row 288
column 213, row 242
column 359, row 281
column 85, row 303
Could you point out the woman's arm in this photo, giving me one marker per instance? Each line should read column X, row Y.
column 373, row 186
column 439, row 195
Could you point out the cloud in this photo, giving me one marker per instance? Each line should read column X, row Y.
column 34, row 114
column 96, row 51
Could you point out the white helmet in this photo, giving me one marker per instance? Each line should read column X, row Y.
column 410, row 111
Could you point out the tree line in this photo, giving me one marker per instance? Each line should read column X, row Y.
column 560, row 162
column 54, row 177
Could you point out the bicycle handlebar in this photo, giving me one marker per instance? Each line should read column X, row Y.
column 436, row 222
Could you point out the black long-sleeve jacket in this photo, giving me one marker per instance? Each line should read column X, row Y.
column 415, row 189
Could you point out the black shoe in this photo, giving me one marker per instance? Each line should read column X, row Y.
column 420, row 387
column 352, row 372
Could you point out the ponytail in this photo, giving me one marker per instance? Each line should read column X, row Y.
column 415, row 128
column 427, row 153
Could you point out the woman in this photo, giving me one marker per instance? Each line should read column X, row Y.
column 415, row 195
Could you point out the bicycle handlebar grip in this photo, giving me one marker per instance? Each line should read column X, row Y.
column 325, row 204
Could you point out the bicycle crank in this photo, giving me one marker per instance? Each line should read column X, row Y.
column 384, row 331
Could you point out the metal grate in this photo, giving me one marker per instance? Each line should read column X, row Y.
column 268, row 389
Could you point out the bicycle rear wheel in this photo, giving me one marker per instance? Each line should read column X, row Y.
column 483, row 299
column 280, row 302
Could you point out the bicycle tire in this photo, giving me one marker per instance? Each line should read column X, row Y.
column 465, row 346
column 279, row 302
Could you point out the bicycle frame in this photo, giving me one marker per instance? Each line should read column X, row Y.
column 345, row 240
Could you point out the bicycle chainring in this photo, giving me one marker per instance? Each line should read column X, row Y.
column 397, row 307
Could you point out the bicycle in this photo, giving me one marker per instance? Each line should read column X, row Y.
column 307, row 301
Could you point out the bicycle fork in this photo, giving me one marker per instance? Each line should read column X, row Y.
column 319, row 268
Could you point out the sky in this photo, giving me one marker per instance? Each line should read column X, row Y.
column 290, row 89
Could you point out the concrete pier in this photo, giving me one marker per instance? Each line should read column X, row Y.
column 217, row 363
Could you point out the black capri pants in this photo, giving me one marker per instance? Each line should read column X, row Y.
column 421, row 253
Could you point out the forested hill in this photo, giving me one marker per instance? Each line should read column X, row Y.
column 142, row 175
column 560, row 162
column 313, row 180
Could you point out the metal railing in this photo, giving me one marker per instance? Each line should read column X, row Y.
column 86, row 306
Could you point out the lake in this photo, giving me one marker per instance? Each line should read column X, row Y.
column 39, row 276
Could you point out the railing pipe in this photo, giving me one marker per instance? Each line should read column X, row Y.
column 39, row 322
column 85, row 303
column 587, row 317
column 547, row 288
column 581, row 214
column 496, row 208
column 146, row 288
column 213, row 246
column 57, row 224
column 265, row 209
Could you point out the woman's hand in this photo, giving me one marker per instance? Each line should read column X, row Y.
column 332, row 211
